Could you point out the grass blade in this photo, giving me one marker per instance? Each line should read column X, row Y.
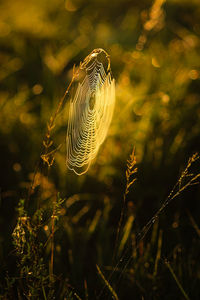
column 176, row 279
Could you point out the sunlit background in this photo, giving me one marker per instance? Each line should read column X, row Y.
column 154, row 49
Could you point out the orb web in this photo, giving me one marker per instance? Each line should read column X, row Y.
column 90, row 111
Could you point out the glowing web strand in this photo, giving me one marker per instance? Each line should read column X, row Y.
column 90, row 112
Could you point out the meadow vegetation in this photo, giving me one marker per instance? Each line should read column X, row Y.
column 129, row 228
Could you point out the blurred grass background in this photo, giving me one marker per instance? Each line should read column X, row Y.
column 154, row 48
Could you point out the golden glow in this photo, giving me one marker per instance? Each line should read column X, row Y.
column 37, row 89
column 194, row 74
column 17, row 167
column 155, row 62
column 70, row 6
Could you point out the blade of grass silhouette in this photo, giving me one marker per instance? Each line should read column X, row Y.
column 107, row 283
column 176, row 279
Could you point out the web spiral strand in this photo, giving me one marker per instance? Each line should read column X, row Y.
column 90, row 112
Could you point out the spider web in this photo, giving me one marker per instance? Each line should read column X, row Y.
column 90, row 112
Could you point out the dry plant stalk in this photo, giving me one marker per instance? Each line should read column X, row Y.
column 48, row 156
column 130, row 172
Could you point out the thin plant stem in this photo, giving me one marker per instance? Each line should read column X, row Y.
column 131, row 170
column 52, row 241
column 107, row 283
column 176, row 279
column 47, row 139
column 44, row 293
